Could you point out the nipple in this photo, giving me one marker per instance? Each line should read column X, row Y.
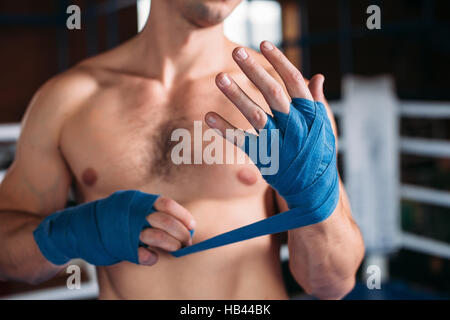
column 247, row 176
column 89, row 177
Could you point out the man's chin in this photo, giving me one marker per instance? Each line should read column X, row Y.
column 206, row 23
column 208, row 15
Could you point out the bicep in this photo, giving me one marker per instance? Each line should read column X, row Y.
column 38, row 180
column 37, row 183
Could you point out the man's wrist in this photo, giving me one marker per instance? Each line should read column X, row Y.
column 45, row 243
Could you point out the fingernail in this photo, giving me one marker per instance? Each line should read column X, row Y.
column 192, row 225
column 267, row 45
column 241, row 54
column 225, row 81
column 211, row 119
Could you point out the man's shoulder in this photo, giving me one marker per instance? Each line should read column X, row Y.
column 68, row 87
column 61, row 95
column 85, row 78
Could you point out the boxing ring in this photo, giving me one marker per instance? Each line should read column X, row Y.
column 370, row 146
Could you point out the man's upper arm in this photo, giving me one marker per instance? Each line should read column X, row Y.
column 38, row 181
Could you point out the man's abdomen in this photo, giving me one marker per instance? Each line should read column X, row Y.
column 244, row 270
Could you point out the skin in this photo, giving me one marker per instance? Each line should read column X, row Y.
column 100, row 127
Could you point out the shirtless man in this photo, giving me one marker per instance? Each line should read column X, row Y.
column 105, row 125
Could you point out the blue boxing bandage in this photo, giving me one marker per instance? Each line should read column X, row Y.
column 307, row 176
column 102, row 232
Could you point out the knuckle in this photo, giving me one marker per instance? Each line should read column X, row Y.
column 162, row 240
column 152, row 217
column 275, row 91
column 145, row 235
column 295, row 76
column 160, row 202
column 170, row 204
column 142, row 236
column 257, row 117
column 167, row 203
column 168, row 222
column 158, row 236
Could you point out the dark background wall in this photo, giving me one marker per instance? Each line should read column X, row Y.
column 35, row 43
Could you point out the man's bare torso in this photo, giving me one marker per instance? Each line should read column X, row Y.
column 120, row 138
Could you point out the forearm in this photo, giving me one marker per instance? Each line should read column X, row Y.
column 20, row 257
column 324, row 257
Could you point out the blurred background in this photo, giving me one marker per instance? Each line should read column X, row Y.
column 389, row 89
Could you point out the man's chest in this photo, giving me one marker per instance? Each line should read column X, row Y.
column 157, row 143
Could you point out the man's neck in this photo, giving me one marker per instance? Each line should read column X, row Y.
column 170, row 48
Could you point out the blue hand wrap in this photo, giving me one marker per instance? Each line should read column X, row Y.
column 102, row 232
column 307, row 177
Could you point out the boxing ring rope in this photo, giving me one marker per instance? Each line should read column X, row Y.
column 383, row 93
column 414, row 146
column 425, row 147
column 433, row 110
column 9, row 132
column 88, row 290
column 425, row 195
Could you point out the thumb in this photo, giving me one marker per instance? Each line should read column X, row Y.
column 316, row 87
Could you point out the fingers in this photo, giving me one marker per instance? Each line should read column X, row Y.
column 316, row 88
column 269, row 87
column 159, row 239
column 171, row 225
column 176, row 210
column 254, row 114
column 292, row 77
column 169, row 230
column 147, row 257
column 227, row 130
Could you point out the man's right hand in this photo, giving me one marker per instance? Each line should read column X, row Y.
column 111, row 230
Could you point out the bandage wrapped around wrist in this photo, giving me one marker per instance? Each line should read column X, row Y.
column 102, row 232
column 305, row 175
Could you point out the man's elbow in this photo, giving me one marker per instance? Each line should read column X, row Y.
column 333, row 290
column 328, row 286
column 16, row 276
column 32, row 275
